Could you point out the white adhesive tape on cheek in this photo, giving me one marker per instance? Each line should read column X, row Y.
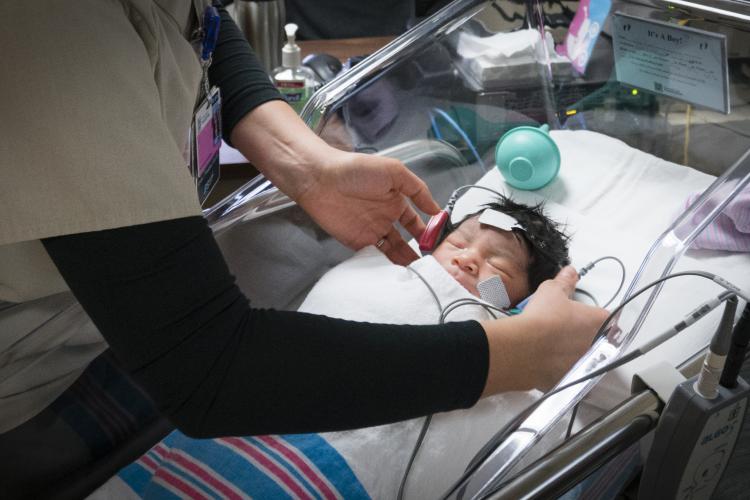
column 499, row 220
column 493, row 291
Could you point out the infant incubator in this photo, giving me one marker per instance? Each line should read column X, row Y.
column 651, row 156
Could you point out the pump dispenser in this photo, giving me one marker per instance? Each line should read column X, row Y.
column 296, row 83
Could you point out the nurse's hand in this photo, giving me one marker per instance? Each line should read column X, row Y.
column 356, row 198
column 534, row 349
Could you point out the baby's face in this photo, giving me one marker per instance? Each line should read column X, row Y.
column 475, row 252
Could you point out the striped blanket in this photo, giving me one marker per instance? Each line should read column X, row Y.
column 263, row 467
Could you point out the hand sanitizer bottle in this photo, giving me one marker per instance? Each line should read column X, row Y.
column 296, row 83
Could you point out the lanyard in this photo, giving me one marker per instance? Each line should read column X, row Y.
column 208, row 32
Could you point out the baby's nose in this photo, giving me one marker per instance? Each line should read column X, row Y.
column 467, row 262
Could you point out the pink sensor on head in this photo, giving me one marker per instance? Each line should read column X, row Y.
column 431, row 234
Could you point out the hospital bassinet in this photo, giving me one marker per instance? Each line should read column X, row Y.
column 433, row 99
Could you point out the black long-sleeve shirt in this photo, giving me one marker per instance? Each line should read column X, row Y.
column 163, row 298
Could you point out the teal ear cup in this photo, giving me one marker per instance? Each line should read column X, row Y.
column 527, row 157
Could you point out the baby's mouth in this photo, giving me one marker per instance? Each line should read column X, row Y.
column 465, row 281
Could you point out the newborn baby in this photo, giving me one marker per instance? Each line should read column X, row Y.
column 516, row 243
column 523, row 248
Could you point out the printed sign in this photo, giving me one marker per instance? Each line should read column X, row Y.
column 676, row 61
column 584, row 31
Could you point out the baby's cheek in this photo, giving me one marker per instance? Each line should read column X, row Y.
column 516, row 288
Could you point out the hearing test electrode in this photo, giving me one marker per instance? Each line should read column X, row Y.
column 435, row 230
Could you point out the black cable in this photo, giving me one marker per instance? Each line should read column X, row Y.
column 589, row 295
column 417, row 446
column 738, row 350
column 703, row 274
column 444, row 312
column 454, row 196
column 458, row 303
column 572, row 421
column 588, row 267
column 511, row 426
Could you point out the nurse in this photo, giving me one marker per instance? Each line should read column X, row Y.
column 102, row 243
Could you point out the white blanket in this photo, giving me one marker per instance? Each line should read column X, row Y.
column 368, row 287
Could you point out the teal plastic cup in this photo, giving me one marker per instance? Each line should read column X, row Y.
column 527, row 157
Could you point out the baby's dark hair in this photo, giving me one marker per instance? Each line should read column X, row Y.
column 546, row 241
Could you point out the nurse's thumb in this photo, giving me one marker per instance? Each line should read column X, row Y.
column 567, row 278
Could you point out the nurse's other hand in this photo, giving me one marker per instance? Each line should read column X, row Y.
column 546, row 340
column 357, row 198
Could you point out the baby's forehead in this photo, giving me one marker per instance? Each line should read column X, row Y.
column 471, row 228
column 472, row 225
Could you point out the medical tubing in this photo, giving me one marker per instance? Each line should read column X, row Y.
column 444, row 312
column 454, row 196
column 588, row 267
column 417, row 446
column 588, row 295
column 703, row 274
column 435, row 128
column 445, row 116
column 430, row 289
column 458, row 303
column 584, row 270
column 572, row 421
column 691, row 318
column 511, row 426
column 737, row 351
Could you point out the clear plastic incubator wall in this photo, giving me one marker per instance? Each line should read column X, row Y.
column 646, row 165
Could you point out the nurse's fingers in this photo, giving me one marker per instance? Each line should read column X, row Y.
column 567, row 279
column 414, row 188
column 396, row 249
column 411, row 221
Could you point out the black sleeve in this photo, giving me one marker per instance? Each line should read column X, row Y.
column 237, row 72
column 162, row 296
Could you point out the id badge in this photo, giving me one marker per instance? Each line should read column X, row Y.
column 205, row 143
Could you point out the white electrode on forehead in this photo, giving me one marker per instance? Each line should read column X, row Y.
column 492, row 290
column 499, row 220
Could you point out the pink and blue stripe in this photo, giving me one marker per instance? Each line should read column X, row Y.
column 300, row 467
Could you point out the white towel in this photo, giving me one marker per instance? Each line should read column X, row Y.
column 368, row 287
